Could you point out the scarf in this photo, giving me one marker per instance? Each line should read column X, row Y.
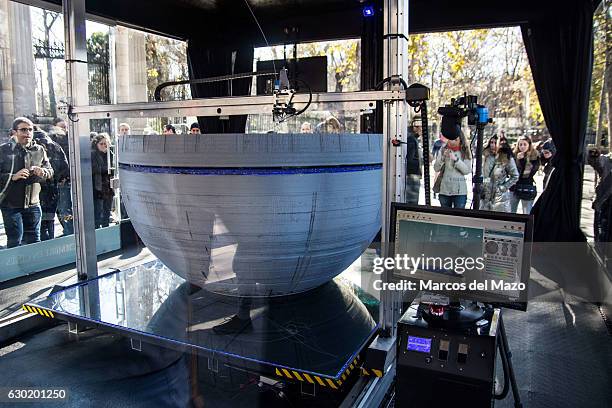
column 454, row 149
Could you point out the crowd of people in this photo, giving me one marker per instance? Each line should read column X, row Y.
column 328, row 125
column 35, row 185
column 508, row 170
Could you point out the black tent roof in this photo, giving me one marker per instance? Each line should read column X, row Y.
column 229, row 20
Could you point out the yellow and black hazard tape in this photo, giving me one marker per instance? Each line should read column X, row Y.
column 371, row 371
column 350, row 368
column 39, row 311
column 315, row 379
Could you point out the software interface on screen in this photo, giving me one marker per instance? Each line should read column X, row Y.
column 436, row 238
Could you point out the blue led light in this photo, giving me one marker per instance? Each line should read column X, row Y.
column 420, row 344
column 368, row 11
column 245, row 171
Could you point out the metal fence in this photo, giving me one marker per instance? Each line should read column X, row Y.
column 98, row 64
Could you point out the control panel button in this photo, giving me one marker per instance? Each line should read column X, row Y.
column 491, row 247
column 443, row 350
column 462, row 353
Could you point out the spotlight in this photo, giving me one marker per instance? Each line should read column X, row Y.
column 368, row 11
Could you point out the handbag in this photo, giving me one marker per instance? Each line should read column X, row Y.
column 483, row 193
column 438, row 181
column 525, row 191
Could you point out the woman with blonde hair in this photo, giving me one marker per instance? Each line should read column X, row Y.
column 527, row 163
column 332, row 125
column 500, row 173
column 453, row 163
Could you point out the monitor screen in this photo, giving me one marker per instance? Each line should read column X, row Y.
column 420, row 344
column 474, row 255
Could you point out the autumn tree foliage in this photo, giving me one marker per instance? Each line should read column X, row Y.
column 489, row 63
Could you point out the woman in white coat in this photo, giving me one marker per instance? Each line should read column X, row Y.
column 453, row 163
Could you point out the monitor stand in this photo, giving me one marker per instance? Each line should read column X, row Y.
column 458, row 314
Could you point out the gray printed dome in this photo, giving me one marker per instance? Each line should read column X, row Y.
column 254, row 214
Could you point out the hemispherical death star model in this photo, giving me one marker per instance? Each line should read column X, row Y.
column 254, row 214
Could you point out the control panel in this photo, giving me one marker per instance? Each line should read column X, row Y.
column 464, row 353
column 448, row 353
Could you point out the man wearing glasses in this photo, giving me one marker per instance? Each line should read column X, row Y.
column 23, row 166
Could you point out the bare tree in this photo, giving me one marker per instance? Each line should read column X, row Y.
column 489, row 63
column 608, row 65
column 49, row 18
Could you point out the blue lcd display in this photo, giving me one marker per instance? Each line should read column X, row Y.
column 420, row 344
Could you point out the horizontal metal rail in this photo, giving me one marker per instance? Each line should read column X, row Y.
column 211, row 80
column 236, row 105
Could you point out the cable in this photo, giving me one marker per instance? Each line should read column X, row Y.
column 71, row 115
column 309, row 98
column 389, row 79
column 262, row 31
column 502, row 354
column 291, row 100
column 8, row 180
column 220, row 78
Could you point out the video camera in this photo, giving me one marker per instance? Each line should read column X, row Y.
column 466, row 105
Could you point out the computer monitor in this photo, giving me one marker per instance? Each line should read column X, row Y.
column 467, row 254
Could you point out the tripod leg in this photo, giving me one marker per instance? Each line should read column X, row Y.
column 506, row 354
column 425, row 138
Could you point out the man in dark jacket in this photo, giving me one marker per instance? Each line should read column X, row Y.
column 548, row 152
column 101, row 179
column 413, row 162
column 23, row 167
column 59, row 135
column 49, row 194
column 602, row 204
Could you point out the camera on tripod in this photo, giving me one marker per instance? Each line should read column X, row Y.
column 452, row 114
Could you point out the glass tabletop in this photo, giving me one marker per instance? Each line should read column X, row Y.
column 318, row 332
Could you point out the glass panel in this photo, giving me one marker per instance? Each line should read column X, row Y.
column 151, row 301
column 37, row 221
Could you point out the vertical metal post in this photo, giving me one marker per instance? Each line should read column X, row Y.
column 425, row 137
column 79, row 144
column 478, row 176
column 395, row 124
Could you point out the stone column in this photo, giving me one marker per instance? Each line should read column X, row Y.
column 7, row 110
column 131, row 71
column 22, row 64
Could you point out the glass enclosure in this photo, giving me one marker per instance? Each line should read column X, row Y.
column 124, row 65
